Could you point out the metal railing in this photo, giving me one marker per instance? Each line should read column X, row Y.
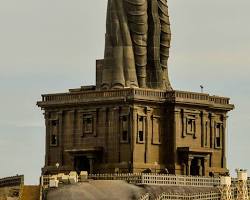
column 12, row 181
column 200, row 196
column 153, row 179
column 145, row 197
column 129, row 177
column 178, row 180
column 166, row 180
column 248, row 185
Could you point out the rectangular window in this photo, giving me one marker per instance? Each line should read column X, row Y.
column 124, row 119
column 218, row 133
column 124, row 137
column 53, row 140
column 54, row 122
column 140, row 125
column 141, row 136
column 191, row 126
column 53, row 132
column 206, row 134
column 88, row 124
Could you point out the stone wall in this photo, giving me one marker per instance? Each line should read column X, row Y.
column 132, row 130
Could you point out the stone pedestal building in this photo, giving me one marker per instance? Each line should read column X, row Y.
column 133, row 129
column 132, row 119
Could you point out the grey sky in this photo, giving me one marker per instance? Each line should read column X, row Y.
column 45, row 48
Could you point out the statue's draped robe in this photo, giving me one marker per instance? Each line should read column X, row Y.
column 137, row 44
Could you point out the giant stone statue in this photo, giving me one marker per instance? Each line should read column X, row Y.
column 137, row 45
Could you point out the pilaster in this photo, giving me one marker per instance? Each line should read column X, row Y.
column 61, row 136
column 212, row 130
column 204, row 129
column 47, row 143
column 176, row 129
column 134, row 111
column 148, row 112
column 224, row 142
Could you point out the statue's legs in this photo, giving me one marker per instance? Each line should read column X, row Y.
column 129, row 68
column 119, row 63
column 108, row 54
column 138, row 23
column 137, row 44
column 118, row 79
column 113, row 75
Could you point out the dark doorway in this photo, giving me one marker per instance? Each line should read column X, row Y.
column 194, row 169
column 197, row 167
column 82, row 164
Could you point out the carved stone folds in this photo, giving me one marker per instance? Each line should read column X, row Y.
column 137, row 45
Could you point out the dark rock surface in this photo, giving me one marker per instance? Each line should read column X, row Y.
column 115, row 190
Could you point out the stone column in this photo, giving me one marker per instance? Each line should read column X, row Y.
column 212, row 130
column 133, row 134
column 73, row 124
column 224, row 142
column 147, row 135
column 112, row 146
column 176, row 131
column 205, row 166
column 107, row 134
column 204, row 129
column 95, row 122
column 184, row 168
column 102, row 125
column 91, row 166
column 200, row 168
column 61, row 138
column 116, row 134
column 47, row 125
column 189, row 163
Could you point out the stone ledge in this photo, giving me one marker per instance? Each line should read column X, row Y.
column 135, row 94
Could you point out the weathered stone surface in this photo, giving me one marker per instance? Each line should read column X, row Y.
column 131, row 130
column 132, row 120
column 137, row 45
column 113, row 190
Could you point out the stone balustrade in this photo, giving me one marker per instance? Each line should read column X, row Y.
column 199, row 196
column 130, row 93
column 179, row 180
column 145, row 197
column 134, row 178
column 12, row 181
column 167, row 180
column 154, row 179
